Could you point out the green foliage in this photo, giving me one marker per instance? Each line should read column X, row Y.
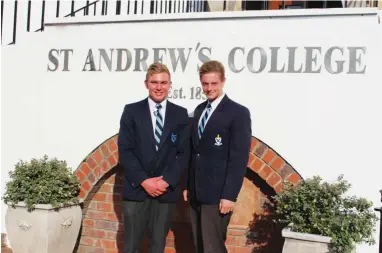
column 322, row 208
column 42, row 181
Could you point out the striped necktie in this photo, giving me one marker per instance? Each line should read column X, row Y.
column 158, row 126
column 204, row 120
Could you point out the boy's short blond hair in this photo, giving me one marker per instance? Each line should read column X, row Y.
column 157, row 68
column 212, row 66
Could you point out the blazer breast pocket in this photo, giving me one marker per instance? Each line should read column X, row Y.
column 175, row 134
column 174, row 138
column 219, row 140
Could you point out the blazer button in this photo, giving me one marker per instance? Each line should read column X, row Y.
column 198, row 154
column 157, row 157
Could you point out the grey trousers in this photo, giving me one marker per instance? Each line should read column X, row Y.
column 149, row 214
column 209, row 228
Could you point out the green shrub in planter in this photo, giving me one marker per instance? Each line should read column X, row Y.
column 42, row 181
column 321, row 208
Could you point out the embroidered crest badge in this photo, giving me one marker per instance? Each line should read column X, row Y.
column 173, row 137
column 218, row 140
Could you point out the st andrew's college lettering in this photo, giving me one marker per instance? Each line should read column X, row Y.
column 257, row 60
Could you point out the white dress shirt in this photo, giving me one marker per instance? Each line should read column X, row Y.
column 214, row 104
column 153, row 109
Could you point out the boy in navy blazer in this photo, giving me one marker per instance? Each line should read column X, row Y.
column 153, row 145
column 220, row 144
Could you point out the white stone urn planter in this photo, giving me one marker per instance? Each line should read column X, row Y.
column 44, row 230
column 304, row 243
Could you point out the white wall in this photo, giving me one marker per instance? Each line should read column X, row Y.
column 321, row 123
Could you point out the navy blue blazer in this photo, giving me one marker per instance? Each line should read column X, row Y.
column 138, row 156
column 219, row 159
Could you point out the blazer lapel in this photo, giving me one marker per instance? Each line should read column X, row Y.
column 148, row 123
column 168, row 122
column 195, row 124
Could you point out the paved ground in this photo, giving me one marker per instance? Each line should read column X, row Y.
column 4, row 248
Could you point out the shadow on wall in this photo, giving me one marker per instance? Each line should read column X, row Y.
column 117, row 204
column 264, row 232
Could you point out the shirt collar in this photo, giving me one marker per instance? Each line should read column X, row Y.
column 217, row 101
column 152, row 105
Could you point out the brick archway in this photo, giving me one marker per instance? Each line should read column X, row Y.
column 101, row 186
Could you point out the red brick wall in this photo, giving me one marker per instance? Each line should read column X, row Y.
column 102, row 226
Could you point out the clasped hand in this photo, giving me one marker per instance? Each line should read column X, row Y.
column 155, row 186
